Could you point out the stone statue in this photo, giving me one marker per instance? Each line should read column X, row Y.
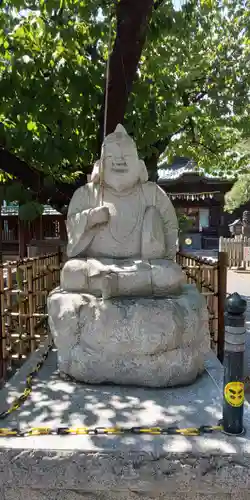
column 126, row 246
column 123, row 313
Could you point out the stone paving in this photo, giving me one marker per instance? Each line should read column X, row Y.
column 239, row 282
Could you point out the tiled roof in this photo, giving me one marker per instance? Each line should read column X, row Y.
column 179, row 167
column 13, row 210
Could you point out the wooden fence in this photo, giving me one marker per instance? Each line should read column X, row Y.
column 24, row 287
column 234, row 247
column 211, row 280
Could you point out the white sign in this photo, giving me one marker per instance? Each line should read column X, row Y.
column 247, row 254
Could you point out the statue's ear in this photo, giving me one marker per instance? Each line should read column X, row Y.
column 143, row 172
column 95, row 176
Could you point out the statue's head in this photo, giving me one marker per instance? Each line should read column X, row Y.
column 122, row 168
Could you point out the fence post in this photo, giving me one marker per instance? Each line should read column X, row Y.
column 59, row 252
column 1, row 302
column 222, row 293
column 2, row 374
column 59, row 263
column 233, row 388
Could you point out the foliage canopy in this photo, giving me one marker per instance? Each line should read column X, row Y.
column 190, row 96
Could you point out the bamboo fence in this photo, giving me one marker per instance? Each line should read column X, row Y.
column 211, row 280
column 24, row 287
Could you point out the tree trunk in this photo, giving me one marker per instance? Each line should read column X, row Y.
column 132, row 22
column 57, row 194
column 151, row 164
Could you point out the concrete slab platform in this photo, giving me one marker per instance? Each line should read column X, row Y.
column 119, row 467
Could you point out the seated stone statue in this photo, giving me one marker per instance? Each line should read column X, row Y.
column 123, row 313
column 127, row 245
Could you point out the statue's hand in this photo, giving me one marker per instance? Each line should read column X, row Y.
column 98, row 215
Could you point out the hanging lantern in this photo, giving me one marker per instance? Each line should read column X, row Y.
column 246, row 223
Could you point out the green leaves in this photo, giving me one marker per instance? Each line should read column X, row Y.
column 30, row 211
column 191, row 96
column 239, row 194
column 31, row 126
column 51, row 90
column 184, row 223
column 200, row 85
column 17, row 192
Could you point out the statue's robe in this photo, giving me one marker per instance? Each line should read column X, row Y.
column 125, row 235
column 132, row 254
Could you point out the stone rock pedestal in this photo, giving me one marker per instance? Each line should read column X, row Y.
column 153, row 342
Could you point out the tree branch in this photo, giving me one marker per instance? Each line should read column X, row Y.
column 158, row 3
column 204, row 146
column 199, row 96
column 160, row 145
column 132, row 23
column 186, row 103
column 192, row 127
column 58, row 194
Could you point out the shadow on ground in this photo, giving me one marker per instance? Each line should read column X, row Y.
column 55, row 402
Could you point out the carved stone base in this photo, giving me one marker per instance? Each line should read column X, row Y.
column 153, row 342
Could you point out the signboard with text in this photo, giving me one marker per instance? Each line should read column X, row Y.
column 247, row 254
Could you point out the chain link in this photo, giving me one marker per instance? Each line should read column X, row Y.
column 18, row 402
column 88, row 431
column 202, row 283
column 107, row 431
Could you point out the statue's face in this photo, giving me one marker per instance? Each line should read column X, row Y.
column 121, row 165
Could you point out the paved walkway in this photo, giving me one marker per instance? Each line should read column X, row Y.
column 238, row 282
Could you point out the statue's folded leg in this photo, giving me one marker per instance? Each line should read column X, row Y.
column 167, row 277
column 108, row 278
column 74, row 276
column 136, row 278
column 118, row 277
column 83, row 275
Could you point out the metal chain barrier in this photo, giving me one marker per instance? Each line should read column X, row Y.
column 18, row 402
column 87, row 431
column 105, row 431
column 202, row 283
